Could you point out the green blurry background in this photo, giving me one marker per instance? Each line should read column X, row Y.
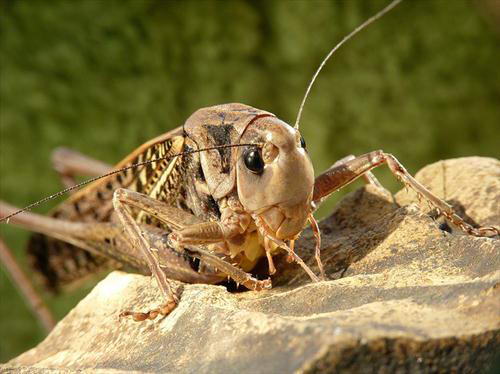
column 103, row 76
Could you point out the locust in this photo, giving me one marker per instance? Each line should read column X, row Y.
column 203, row 203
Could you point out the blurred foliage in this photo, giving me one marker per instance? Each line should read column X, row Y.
column 104, row 76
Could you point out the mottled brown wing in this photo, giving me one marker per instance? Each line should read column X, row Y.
column 60, row 263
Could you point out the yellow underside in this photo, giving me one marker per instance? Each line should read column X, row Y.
column 251, row 250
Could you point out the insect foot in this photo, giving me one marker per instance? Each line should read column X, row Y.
column 163, row 310
column 265, row 284
column 174, row 242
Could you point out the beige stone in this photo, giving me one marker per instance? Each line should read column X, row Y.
column 403, row 295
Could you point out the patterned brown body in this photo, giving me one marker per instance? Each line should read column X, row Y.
column 178, row 181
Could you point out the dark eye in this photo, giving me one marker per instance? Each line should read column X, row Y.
column 302, row 142
column 253, row 160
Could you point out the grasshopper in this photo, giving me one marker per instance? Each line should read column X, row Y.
column 199, row 204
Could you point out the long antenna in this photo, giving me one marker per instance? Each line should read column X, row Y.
column 334, row 49
column 76, row 186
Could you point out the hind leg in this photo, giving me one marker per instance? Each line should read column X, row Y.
column 26, row 288
column 68, row 164
column 369, row 177
column 344, row 173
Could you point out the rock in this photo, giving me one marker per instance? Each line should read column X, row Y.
column 403, row 295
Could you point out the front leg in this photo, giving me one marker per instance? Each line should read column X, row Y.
column 189, row 231
column 134, row 232
column 344, row 173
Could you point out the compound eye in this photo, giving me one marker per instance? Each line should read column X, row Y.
column 253, row 160
column 302, row 142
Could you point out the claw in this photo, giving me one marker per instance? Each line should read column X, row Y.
column 163, row 310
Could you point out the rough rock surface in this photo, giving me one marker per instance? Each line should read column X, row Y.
column 405, row 294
